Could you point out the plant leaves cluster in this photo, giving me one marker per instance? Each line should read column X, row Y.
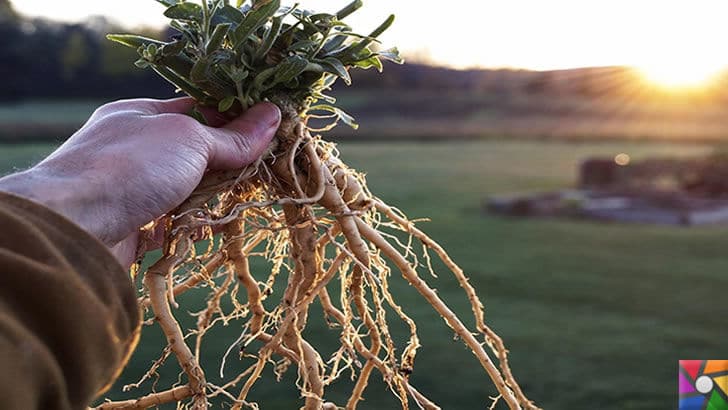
column 233, row 56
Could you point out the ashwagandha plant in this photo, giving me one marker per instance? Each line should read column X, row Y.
column 300, row 207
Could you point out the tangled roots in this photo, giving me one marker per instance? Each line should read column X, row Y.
column 314, row 219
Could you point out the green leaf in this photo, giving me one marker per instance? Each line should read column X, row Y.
column 217, row 37
column 223, row 56
column 173, row 48
column 235, row 73
column 301, row 13
column 269, row 38
column 142, row 63
column 152, row 49
column 374, row 34
column 326, row 25
column 334, row 66
column 292, row 83
column 352, row 55
column 309, row 28
column 324, row 19
column 181, row 83
column 226, row 103
column 328, row 81
column 391, row 54
column 290, row 68
column 382, row 27
column 133, row 41
column 179, row 63
column 350, row 8
column 228, row 14
column 254, row 20
column 200, row 70
column 149, row 52
column 185, row 30
column 333, row 45
column 370, row 62
column 262, row 77
column 303, row 45
column 185, row 11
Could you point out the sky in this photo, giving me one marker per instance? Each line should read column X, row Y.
column 675, row 36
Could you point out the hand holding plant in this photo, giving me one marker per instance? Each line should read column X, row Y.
column 299, row 207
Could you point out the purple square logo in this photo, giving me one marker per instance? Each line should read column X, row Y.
column 703, row 384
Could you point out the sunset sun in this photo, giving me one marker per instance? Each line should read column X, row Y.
column 688, row 59
column 687, row 74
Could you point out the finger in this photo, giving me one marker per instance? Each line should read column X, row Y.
column 146, row 106
column 180, row 105
column 125, row 251
column 245, row 138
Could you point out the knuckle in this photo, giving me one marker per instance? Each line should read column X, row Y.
column 191, row 132
column 111, row 121
column 118, row 107
column 137, row 105
column 114, row 106
column 242, row 143
column 186, row 122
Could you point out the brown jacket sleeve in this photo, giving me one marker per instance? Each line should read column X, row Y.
column 68, row 315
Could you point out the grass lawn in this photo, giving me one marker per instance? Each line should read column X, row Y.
column 596, row 316
column 48, row 112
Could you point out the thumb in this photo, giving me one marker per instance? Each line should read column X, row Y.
column 245, row 138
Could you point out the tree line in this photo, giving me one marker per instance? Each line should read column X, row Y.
column 46, row 59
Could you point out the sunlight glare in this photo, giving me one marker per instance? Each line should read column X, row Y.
column 681, row 74
column 681, row 45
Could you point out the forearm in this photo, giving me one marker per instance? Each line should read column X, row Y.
column 71, row 196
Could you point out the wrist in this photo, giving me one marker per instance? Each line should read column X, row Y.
column 70, row 196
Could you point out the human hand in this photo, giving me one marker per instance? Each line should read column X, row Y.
column 134, row 161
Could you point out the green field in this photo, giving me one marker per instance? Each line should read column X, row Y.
column 596, row 316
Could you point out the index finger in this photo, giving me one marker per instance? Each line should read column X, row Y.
column 146, row 106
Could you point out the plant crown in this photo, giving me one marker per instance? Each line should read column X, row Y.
column 232, row 57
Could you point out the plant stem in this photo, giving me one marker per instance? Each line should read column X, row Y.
column 205, row 22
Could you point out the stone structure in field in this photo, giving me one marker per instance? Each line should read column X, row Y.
column 658, row 191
